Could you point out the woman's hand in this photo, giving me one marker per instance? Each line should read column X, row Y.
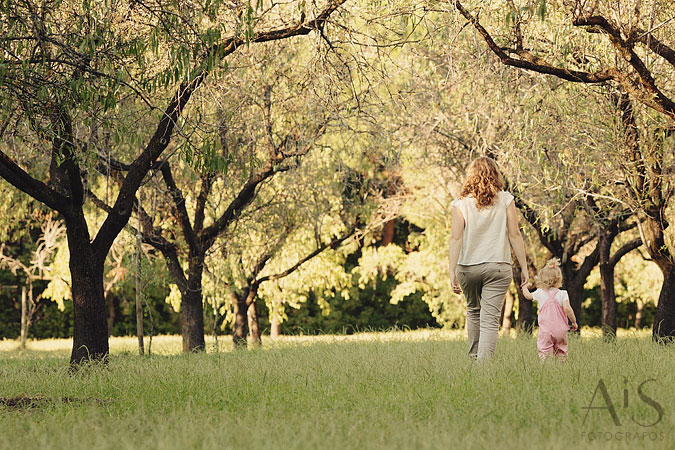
column 455, row 284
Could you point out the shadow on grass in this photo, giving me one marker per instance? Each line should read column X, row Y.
column 24, row 402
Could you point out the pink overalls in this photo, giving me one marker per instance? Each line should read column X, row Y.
column 553, row 328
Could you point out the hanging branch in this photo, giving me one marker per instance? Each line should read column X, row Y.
column 644, row 88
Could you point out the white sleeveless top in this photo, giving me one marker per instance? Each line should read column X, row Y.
column 485, row 235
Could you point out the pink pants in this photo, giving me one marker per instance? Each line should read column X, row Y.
column 552, row 344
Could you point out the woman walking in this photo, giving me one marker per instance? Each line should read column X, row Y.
column 484, row 229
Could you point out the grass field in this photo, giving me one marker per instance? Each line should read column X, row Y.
column 408, row 390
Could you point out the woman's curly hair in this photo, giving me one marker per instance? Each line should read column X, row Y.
column 483, row 181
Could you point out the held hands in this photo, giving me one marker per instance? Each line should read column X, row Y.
column 525, row 279
column 523, row 286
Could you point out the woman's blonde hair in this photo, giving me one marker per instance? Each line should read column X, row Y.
column 483, row 181
column 549, row 276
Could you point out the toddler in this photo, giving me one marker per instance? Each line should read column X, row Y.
column 554, row 310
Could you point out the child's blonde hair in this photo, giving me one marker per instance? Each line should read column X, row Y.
column 549, row 276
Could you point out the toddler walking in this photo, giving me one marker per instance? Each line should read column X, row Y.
column 554, row 310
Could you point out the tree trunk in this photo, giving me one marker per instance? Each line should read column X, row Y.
column 608, row 264
column 507, row 312
column 24, row 319
column 608, row 314
column 574, row 281
column 664, row 320
column 275, row 327
column 240, row 325
column 192, row 307
column 572, row 287
column 90, row 326
column 608, row 319
column 638, row 313
column 655, row 241
column 254, row 325
column 388, row 232
column 192, row 319
column 525, row 322
column 139, row 305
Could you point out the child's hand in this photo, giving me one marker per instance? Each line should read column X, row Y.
column 523, row 286
column 574, row 326
column 526, row 292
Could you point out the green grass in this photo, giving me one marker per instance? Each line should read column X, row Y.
column 377, row 390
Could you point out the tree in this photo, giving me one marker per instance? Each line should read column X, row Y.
column 263, row 133
column 39, row 268
column 609, row 227
column 287, row 238
column 245, row 308
column 310, row 220
column 636, row 57
column 68, row 66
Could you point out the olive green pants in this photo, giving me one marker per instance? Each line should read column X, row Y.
column 484, row 286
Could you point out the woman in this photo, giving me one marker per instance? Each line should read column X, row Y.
column 484, row 229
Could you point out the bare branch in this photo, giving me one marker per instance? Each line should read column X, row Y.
column 656, row 46
column 335, row 243
column 626, row 248
column 178, row 207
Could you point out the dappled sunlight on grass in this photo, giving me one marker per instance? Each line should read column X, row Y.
column 63, row 347
column 167, row 345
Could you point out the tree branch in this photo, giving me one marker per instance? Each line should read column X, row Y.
column 590, row 261
column 179, row 209
column 655, row 97
column 162, row 136
column 656, row 46
column 21, row 180
column 626, row 248
column 531, row 62
column 63, row 159
column 247, row 192
column 631, row 139
column 105, row 163
column 335, row 243
column 243, row 198
column 545, row 236
column 201, row 202
column 168, row 249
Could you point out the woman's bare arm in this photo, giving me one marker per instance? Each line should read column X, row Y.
column 455, row 246
column 516, row 240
